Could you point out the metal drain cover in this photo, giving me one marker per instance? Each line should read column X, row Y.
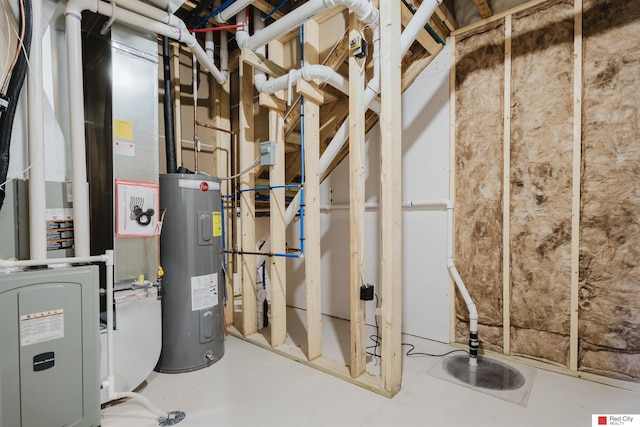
column 173, row 418
column 489, row 374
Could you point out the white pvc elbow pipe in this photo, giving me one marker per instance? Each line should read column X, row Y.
column 364, row 10
column 232, row 10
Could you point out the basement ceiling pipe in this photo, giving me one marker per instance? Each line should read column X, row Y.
column 364, row 10
column 148, row 22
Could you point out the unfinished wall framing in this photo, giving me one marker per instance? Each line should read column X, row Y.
column 547, row 184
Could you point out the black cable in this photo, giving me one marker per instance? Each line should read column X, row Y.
column 169, row 123
column 13, row 93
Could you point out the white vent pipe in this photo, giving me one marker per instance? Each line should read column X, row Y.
column 416, row 24
column 37, row 184
column 364, row 10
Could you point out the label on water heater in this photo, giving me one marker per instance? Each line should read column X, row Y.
column 204, row 291
column 203, row 186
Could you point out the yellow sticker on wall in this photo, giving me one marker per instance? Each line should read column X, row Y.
column 217, row 224
column 122, row 129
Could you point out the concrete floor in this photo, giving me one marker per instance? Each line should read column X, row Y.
column 251, row 386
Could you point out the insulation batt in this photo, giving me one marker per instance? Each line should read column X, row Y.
column 541, row 180
column 609, row 295
column 479, row 153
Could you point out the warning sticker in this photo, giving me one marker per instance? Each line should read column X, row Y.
column 217, row 224
column 41, row 327
column 204, row 291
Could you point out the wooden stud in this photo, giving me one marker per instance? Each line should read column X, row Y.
column 506, row 192
column 391, row 195
column 277, row 207
column 447, row 17
column 263, row 64
column 452, row 176
column 416, row 68
column 483, row 8
column 175, row 75
column 310, row 91
column 357, row 158
column 247, row 202
column 575, row 200
column 272, row 102
column 312, row 252
column 222, row 167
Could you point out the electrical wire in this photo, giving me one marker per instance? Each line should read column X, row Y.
column 20, row 43
column 256, row 163
column 377, row 339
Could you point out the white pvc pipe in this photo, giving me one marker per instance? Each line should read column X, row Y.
column 80, row 192
column 37, row 185
column 364, row 10
column 373, row 88
column 232, row 10
column 416, row 24
column 143, row 23
column 209, row 45
column 152, row 12
column 224, row 54
column 5, row 263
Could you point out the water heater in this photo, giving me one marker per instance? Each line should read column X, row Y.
column 193, row 284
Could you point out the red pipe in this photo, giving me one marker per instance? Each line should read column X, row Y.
column 226, row 27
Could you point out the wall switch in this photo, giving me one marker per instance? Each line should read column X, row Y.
column 267, row 153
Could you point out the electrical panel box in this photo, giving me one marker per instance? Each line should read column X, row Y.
column 267, row 153
column 49, row 357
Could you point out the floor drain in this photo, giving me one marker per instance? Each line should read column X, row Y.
column 173, row 418
column 488, row 374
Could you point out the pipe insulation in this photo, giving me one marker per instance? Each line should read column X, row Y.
column 364, row 10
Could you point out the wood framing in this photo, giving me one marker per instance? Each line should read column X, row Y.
column 356, row 203
column 575, row 199
column 423, row 38
column 452, row 175
column 483, row 8
column 247, row 267
column 565, row 181
column 391, row 195
column 278, row 267
column 506, row 198
column 312, row 251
